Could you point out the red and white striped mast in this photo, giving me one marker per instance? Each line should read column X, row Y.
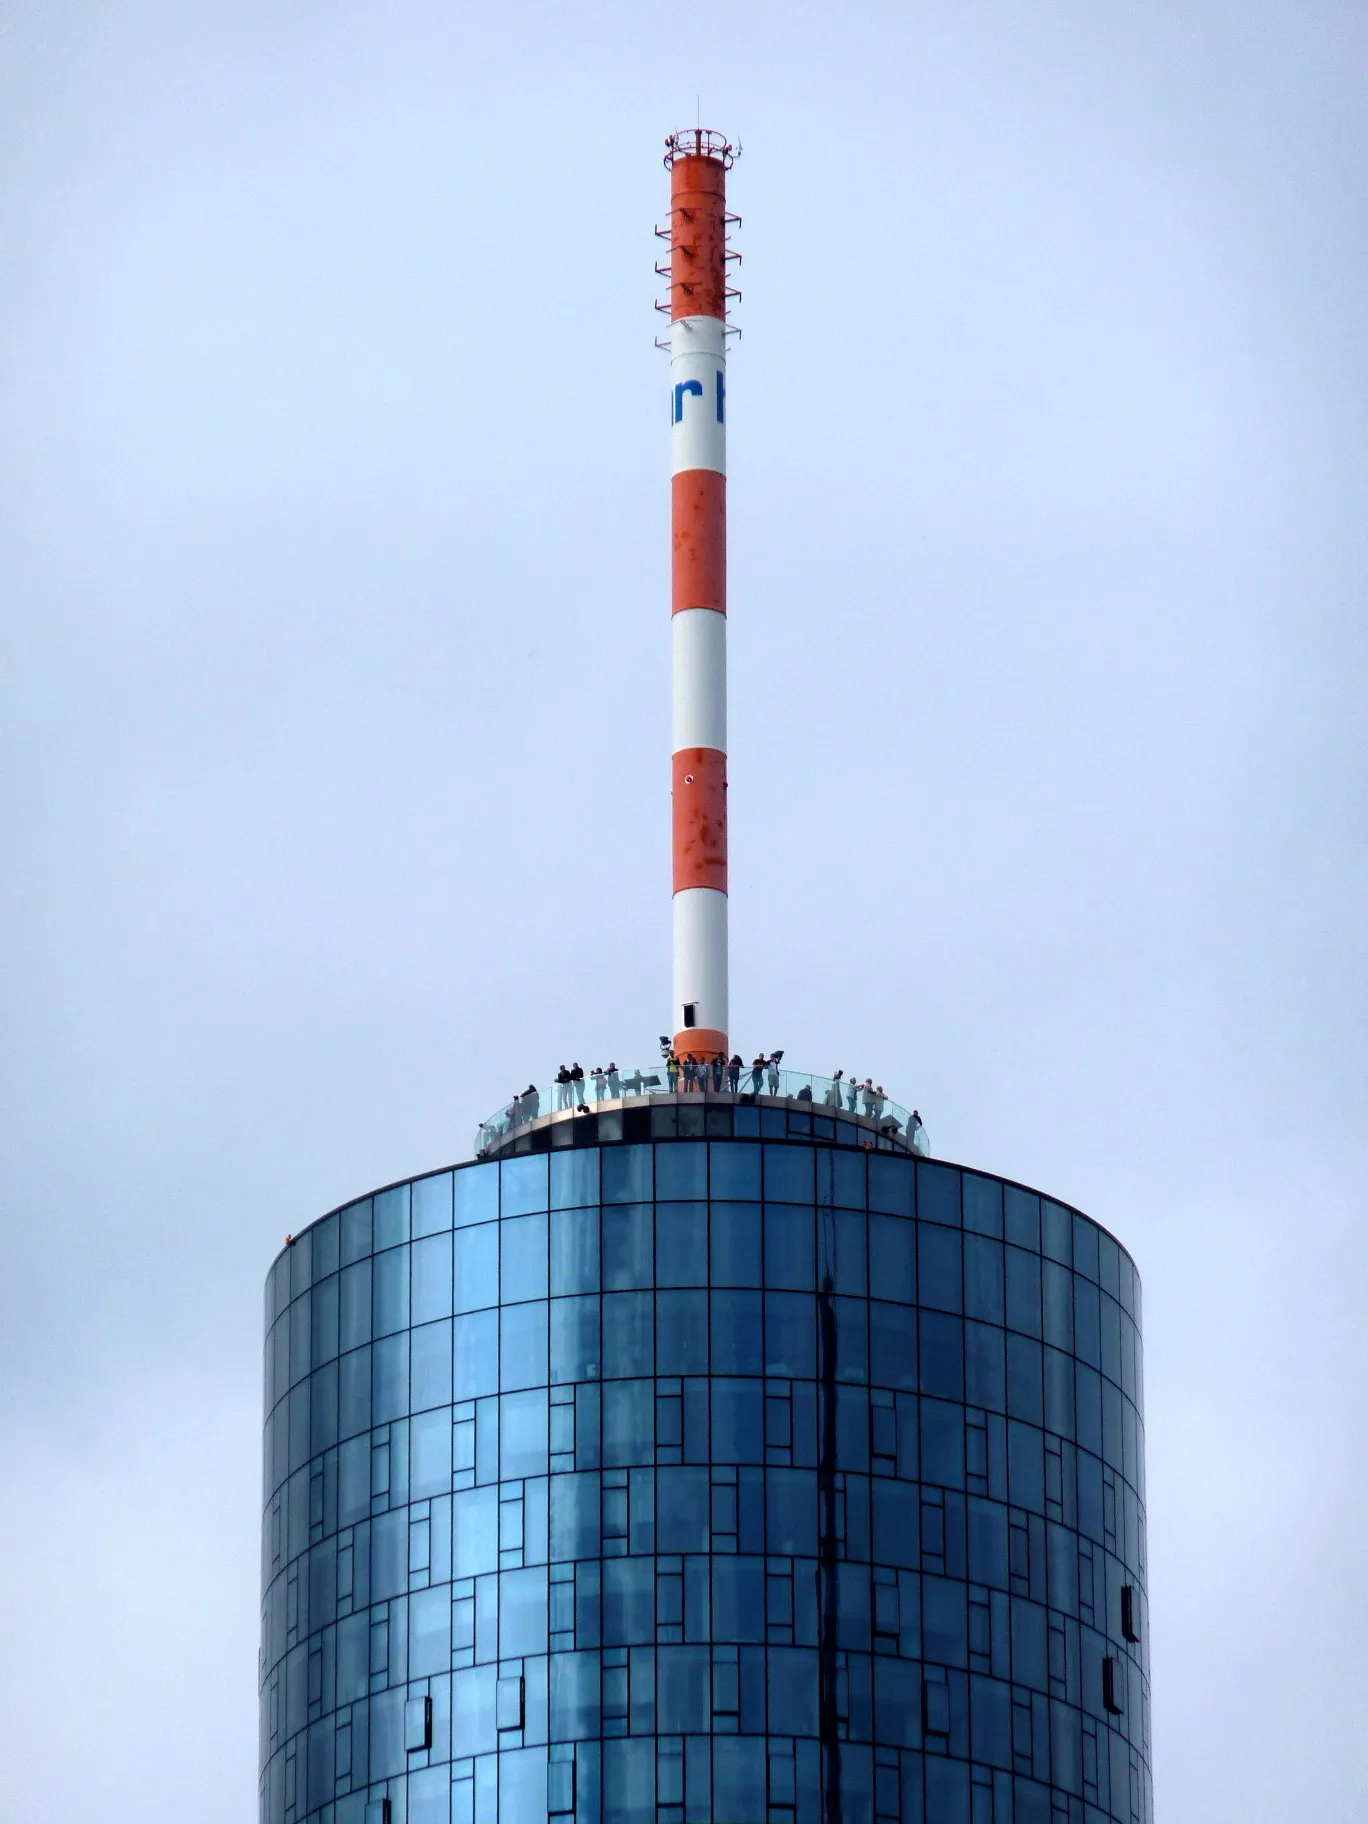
column 698, row 162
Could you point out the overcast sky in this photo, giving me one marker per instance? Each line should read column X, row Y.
column 334, row 585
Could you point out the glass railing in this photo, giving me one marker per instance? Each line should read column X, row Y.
column 865, row 1103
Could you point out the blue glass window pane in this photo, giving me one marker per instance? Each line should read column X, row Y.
column 1087, row 1322
column 794, row 1693
column 575, row 1338
column 477, row 1194
column 790, row 1335
column 1125, row 1281
column 897, row 1709
column 430, row 1265
column 788, row 1174
column 892, row 1258
column 627, row 1174
column 985, row 1367
column 628, row 1601
column 575, row 1516
column 983, row 1278
column 354, row 1404
column 432, row 1204
column 681, row 1333
column 1108, row 1264
column 841, row 1247
column 938, row 1194
column 891, row 1185
column 789, row 1248
column 791, row 1512
column 391, row 1217
column 1023, row 1217
column 430, row 1454
column 356, row 1231
column 852, row 1339
column 1058, row 1306
column 684, row 1690
column 626, row 1258
column 1059, row 1393
column 628, row 1423
column 327, row 1235
column 942, row 1443
column 323, row 1409
column 523, row 1185
column 522, row 1434
column 355, row 1318
column 389, row 1379
column 852, row 1433
column 942, row 1355
column 575, row 1250
column 738, row 1421
column 1089, row 1408
column 982, row 1205
column 681, row 1244
column 1090, row 1496
column 1023, row 1292
column 990, row 1721
column 1085, row 1248
column 738, row 1779
column 682, row 1509
column 945, row 1627
column 947, row 1790
column 841, row 1181
column 429, row 1632
column 682, row 1170
column 629, row 1781
column 472, row 1712
column 1056, row 1232
column 574, row 1178
column 1113, row 1442
column 477, row 1267
column 475, row 1349
column 737, row 1346
column 1026, row 1459
column 1029, row 1666
column 892, row 1346
column 431, row 1366
column 1025, row 1397
column 1031, row 1803
column 738, row 1599
column 300, row 1339
column 938, row 1267
column 522, row 1258
column 735, row 1244
column 523, row 1345
column 627, row 1334
column 574, row 1697
column 735, row 1170
column 389, row 1555
column 987, row 1542
column 475, row 1531
column 896, row 1526
column 1111, row 1339
column 391, row 1291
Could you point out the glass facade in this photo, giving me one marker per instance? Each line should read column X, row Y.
column 752, row 1479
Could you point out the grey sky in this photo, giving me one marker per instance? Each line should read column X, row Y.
column 333, row 562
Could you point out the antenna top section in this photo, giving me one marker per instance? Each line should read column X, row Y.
column 700, row 142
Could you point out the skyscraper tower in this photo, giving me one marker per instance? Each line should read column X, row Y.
column 701, row 1451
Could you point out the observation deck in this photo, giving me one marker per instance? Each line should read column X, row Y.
column 642, row 1104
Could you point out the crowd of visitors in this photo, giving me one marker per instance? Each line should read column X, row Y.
column 690, row 1075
